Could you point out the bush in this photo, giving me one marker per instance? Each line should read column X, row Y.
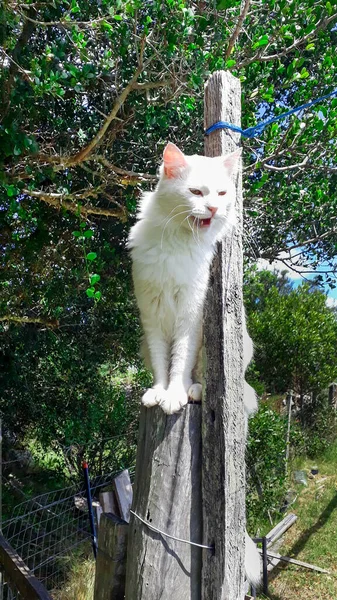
column 265, row 459
column 319, row 425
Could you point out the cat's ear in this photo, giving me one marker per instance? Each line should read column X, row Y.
column 231, row 161
column 174, row 160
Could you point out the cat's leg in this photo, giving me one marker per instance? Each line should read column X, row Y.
column 186, row 344
column 195, row 391
column 156, row 350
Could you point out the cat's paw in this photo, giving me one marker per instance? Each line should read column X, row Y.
column 152, row 396
column 173, row 400
column 195, row 391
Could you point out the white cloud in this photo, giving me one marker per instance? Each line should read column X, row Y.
column 331, row 302
column 292, row 258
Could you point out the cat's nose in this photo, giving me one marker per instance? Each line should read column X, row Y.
column 212, row 209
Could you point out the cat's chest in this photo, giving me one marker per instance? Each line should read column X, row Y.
column 178, row 268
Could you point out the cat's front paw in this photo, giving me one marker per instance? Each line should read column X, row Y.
column 195, row 391
column 173, row 400
column 152, row 396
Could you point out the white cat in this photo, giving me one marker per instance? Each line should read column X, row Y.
column 172, row 245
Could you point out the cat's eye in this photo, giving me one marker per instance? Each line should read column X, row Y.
column 196, row 192
column 223, row 193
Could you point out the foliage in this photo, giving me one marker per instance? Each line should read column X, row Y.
column 72, row 389
column 294, row 335
column 319, row 425
column 265, row 459
column 90, row 93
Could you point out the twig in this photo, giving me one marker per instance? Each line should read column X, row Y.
column 237, row 29
column 52, row 323
column 60, row 201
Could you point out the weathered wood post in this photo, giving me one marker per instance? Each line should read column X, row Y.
column 167, row 493
column 111, row 558
column 166, row 496
column 223, row 430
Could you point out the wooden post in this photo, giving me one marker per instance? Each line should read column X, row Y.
column 19, row 576
column 111, row 558
column 167, row 495
column 290, row 404
column 223, row 464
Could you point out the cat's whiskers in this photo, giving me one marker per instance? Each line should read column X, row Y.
column 169, row 220
column 174, row 208
column 197, row 241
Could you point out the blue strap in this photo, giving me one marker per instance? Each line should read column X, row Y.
column 251, row 132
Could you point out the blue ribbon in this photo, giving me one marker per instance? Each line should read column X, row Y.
column 251, row 132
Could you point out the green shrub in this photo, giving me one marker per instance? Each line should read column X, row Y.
column 265, row 459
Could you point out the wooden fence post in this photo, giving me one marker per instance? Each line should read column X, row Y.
column 111, row 558
column 167, row 495
column 223, row 431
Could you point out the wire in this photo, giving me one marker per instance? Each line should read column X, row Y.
column 168, row 535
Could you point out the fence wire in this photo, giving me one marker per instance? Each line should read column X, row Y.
column 49, row 529
column 8, row 591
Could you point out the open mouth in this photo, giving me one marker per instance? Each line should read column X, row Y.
column 201, row 222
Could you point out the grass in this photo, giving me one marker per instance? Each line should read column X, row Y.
column 313, row 538
column 80, row 585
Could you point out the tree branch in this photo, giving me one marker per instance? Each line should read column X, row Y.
column 237, row 29
column 52, row 323
column 264, row 58
column 127, row 175
column 60, row 201
column 320, row 25
column 22, row 41
column 83, row 154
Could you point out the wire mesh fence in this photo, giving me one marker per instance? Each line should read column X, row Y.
column 8, row 591
column 47, row 531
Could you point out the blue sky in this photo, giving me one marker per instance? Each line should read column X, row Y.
column 298, row 279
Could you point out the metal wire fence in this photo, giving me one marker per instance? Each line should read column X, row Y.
column 49, row 529
column 8, row 591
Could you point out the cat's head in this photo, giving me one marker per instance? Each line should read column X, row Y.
column 198, row 191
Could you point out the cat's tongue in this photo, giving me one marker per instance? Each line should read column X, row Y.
column 204, row 222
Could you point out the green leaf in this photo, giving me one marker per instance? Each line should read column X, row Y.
column 90, row 292
column 88, row 234
column 230, row 63
column 91, row 256
column 94, row 278
column 98, row 295
column 11, row 191
column 118, row 17
column 263, row 41
column 77, row 233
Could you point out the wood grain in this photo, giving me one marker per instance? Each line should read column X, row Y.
column 223, row 462
column 111, row 558
column 167, row 495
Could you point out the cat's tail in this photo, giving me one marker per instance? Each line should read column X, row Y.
column 252, row 562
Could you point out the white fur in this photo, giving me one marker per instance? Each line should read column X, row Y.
column 252, row 562
column 171, row 258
